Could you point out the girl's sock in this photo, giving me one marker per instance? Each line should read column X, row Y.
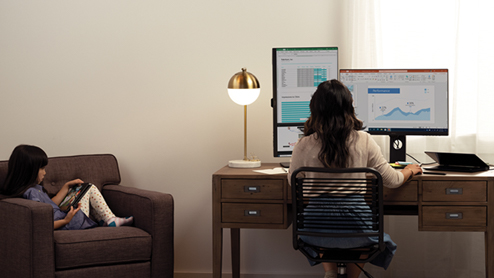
column 120, row 221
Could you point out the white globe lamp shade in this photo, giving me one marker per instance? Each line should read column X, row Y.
column 243, row 88
column 244, row 96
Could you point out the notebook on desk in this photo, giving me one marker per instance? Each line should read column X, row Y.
column 458, row 162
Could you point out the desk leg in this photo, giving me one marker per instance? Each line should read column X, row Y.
column 489, row 233
column 217, row 251
column 235, row 241
column 489, row 253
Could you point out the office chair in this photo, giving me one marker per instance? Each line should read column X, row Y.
column 337, row 204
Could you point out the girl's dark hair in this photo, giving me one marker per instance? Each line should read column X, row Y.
column 23, row 168
column 333, row 120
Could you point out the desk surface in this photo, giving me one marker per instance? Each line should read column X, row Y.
column 251, row 172
column 243, row 198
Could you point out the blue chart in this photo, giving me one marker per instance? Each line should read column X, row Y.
column 311, row 77
column 398, row 115
column 295, row 111
column 412, row 104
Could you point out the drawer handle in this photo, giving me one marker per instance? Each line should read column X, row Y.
column 454, row 191
column 252, row 189
column 252, row 213
column 454, row 215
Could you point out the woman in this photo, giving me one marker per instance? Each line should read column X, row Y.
column 333, row 137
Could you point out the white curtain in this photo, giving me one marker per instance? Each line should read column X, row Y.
column 457, row 35
column 446, row 34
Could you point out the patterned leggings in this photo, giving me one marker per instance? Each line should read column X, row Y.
column 99, row 208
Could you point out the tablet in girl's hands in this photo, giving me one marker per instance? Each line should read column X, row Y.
column 74, row 196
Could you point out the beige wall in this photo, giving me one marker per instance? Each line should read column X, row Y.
column 146, row 81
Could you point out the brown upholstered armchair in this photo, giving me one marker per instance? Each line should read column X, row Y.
column 29, row 247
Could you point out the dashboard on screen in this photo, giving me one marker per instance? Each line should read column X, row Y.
column 297, row 71
column 400, row 102
column 409, row 102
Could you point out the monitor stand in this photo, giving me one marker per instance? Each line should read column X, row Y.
column 285, row 164
column 397, row 148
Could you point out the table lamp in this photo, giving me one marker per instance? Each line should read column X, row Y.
column 244, row 89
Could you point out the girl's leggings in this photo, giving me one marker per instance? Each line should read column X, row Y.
column 99, row 209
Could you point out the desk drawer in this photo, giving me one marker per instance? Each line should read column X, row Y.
column 454, row 191
column 252, row 189
column 252, row 213
column 454, row 216
column 405, row 193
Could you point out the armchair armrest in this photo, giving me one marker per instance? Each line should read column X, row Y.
column 26, row 239
column 154, row 213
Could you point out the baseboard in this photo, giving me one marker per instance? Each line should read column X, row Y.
column 225, row 275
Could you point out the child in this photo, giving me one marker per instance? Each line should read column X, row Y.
column 26, row 170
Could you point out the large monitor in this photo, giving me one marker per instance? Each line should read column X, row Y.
column 400, row 102
column 297, row 71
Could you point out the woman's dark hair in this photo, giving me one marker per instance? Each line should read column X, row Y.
column 23, row 168
column 333, row 120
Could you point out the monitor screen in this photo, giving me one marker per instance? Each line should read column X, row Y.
column 400, row 102
column 296, row 74
column 408, row 102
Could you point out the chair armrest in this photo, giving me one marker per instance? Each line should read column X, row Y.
column 154, row 213
column 26, row 239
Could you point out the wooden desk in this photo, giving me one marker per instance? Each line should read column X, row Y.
column 243, row 198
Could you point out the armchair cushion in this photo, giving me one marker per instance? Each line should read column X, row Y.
column 101, row 246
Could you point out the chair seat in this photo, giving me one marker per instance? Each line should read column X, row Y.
column 359, row 254
column 343, row 255
column 101, row 246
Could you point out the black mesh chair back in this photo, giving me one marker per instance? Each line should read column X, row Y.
column 337, row 204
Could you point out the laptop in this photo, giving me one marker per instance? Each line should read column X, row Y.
column 458, row 162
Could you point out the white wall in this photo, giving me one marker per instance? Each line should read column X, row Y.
column 146, row 81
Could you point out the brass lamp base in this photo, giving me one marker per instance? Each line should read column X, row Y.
column 244, row 164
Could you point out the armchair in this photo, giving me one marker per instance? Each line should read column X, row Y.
column 30, row 247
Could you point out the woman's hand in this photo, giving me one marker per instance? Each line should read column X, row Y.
column 415, row 168
column 410, row 170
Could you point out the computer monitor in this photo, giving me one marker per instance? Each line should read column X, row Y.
column 400, row 102
column 297, row 71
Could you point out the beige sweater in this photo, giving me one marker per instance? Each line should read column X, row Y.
column 364, row 152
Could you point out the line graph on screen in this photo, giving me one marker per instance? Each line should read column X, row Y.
column 398, row 105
